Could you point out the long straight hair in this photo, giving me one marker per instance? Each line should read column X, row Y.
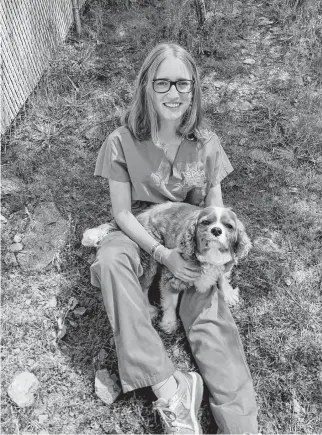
column 141, row 117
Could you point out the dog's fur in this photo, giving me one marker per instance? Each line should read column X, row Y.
column 212, row 238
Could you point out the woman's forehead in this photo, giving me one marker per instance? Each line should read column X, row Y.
column 172, row 68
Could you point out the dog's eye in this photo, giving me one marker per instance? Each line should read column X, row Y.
column 229, row 226
column 205, row 223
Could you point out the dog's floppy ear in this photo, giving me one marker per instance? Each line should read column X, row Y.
column 187, row 240
column 243, row 243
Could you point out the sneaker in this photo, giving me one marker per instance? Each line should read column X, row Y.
column 179, row 414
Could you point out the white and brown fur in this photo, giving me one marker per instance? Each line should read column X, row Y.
column 211, row 237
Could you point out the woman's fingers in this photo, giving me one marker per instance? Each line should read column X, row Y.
column 188, row 275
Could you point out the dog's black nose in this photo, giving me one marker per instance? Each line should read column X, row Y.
column 216, row 231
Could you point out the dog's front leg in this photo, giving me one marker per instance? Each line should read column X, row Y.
column 169, row 301
column 231, row 295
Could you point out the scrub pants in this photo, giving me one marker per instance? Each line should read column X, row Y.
column 210, row 329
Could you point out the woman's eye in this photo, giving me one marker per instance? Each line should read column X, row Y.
column 161, row 83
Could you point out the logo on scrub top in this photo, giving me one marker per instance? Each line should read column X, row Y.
column 194, row 175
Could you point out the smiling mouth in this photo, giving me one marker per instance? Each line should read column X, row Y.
column 172, row 105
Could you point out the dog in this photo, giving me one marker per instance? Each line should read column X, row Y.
column 212, row 237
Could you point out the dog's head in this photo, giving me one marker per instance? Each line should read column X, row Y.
column 216, row 235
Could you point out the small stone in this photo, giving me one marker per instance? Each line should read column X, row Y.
column 30, row 362
column 3, row 219
column 52, row 303
column 17, row 238
column 10, row 259
column 16, row 351
column 28, row 301
column 42, row 418
column 106, row 387
column 16, row 247
column 22, row 389
column 249, row 61
column 46, row 235
column 11, row 185
column 243, row 141
column 244, row 106
column 265, row 244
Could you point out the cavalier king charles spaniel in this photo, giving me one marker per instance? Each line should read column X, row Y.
column 211, row 237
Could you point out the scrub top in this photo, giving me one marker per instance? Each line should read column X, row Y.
column 198, row 166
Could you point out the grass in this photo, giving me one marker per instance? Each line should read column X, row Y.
column 274, row 142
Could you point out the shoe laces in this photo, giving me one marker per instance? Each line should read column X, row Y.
column 169, row 417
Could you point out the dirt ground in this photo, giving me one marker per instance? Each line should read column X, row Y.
column 260, row 64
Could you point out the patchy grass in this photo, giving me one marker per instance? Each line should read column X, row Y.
column 268, row 117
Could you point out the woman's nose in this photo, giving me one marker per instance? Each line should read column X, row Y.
column 173, row 90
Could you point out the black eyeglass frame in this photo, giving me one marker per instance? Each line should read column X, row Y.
column 171, row 83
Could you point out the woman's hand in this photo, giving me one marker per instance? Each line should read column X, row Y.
column 184, row 270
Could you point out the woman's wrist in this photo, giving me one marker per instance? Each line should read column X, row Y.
column 159, row 253
column 163, row 254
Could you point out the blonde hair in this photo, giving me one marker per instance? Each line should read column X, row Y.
column 141, row 117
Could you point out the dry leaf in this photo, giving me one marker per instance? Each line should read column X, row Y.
column 62, row 332
column 288, row 281
column 79, row 311
column 60, row 322
column 72, row 303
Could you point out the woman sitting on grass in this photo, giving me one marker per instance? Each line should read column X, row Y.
column 160, row 154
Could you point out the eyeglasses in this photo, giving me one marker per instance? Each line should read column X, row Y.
column 161, row 86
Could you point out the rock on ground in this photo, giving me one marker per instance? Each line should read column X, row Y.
column 106, row 386
column 11, row 185
column 46, row 235
column 264, row 244
column 22, row 389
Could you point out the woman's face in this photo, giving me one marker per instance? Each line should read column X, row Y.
column 171, row 105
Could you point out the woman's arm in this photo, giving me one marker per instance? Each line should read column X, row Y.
column 120, row 193
column 214, row 197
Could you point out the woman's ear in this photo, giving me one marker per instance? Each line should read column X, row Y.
column 187, row 239
column 243, row 243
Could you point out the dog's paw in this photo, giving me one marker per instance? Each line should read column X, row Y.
column 231, row 296
column 153, row 311
column 169, row 324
